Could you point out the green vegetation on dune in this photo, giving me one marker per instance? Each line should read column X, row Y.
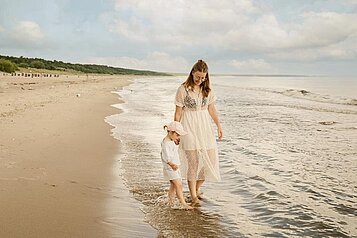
column 7, row 66
column 10, row 64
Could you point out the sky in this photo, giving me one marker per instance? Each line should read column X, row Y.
column 310, row 37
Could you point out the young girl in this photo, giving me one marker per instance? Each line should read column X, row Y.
column 171, row 162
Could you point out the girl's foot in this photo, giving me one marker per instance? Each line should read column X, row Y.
column 170, row 202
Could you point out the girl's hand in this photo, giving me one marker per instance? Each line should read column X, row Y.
column 173, row 166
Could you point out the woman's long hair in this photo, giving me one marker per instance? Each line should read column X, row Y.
column 201, row 66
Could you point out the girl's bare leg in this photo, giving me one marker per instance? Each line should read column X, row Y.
column 171, row 193
column 178, row 187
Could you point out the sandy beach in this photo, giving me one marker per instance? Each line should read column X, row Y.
column 57, row 157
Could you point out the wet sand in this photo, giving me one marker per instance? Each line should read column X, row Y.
column 57, row 160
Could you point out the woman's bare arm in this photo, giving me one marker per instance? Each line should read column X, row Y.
column 178, row 113
column 213, row 113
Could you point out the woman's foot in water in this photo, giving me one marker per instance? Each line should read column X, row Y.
column 199, row 194
column 186, row 207
column 195, row 202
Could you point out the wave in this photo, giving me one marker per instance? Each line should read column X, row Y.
column 312, row 108
column 311, row 96
column 319, row 97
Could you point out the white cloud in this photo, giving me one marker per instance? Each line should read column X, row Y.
column 158, row 61
column 22, row 35
column 179, row 22
column 231, row 25
column 323, row 29
column 326, row 53
column 262, row 35
column 132, row 29
column 315, row 30
column 165, row 35
column 26, row 31
column 343, row 50
column 252, row 66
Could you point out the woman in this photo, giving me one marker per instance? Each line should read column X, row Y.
column 198, row 149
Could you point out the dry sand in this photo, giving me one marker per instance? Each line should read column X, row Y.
column 57, row 159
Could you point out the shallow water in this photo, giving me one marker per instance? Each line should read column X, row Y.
column 288, row 159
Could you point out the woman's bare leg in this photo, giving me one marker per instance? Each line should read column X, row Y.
column 192, row 187
column 198, row 185
column 192, row 174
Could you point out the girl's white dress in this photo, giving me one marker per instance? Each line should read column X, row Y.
column 198, row 149
column 169, row 153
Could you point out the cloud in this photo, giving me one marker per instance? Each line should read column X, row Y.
column 27, row 31
column 178, row 22
column 267, row 35
column 23, row 35
column 322, row 29
column 252, row 66
column 239, row 26
column 234, row 36
column 339, row 46
column 262, row 35
column 158, row 61
column 334, row 52
column 132, row 29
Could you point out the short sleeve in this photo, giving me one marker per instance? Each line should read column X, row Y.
column 166, row 152
column 180, row 96
column 211, row 97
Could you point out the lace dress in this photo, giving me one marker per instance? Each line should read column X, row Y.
column 198, row 149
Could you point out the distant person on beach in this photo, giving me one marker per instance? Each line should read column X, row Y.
column 171, row 162
column 195, row 106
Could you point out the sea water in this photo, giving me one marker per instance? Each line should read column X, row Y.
column 288, row 159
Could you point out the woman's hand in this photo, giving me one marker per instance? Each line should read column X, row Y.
column 178, row 113
column 213, row 113
column 220, row 132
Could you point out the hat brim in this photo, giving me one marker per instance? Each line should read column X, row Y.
column 181, row 133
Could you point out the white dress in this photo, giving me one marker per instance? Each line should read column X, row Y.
column 169, row 153
column 198, row 149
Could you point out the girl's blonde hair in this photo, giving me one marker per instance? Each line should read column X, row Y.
column 201, row 66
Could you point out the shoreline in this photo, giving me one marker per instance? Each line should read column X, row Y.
column 57, row 157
